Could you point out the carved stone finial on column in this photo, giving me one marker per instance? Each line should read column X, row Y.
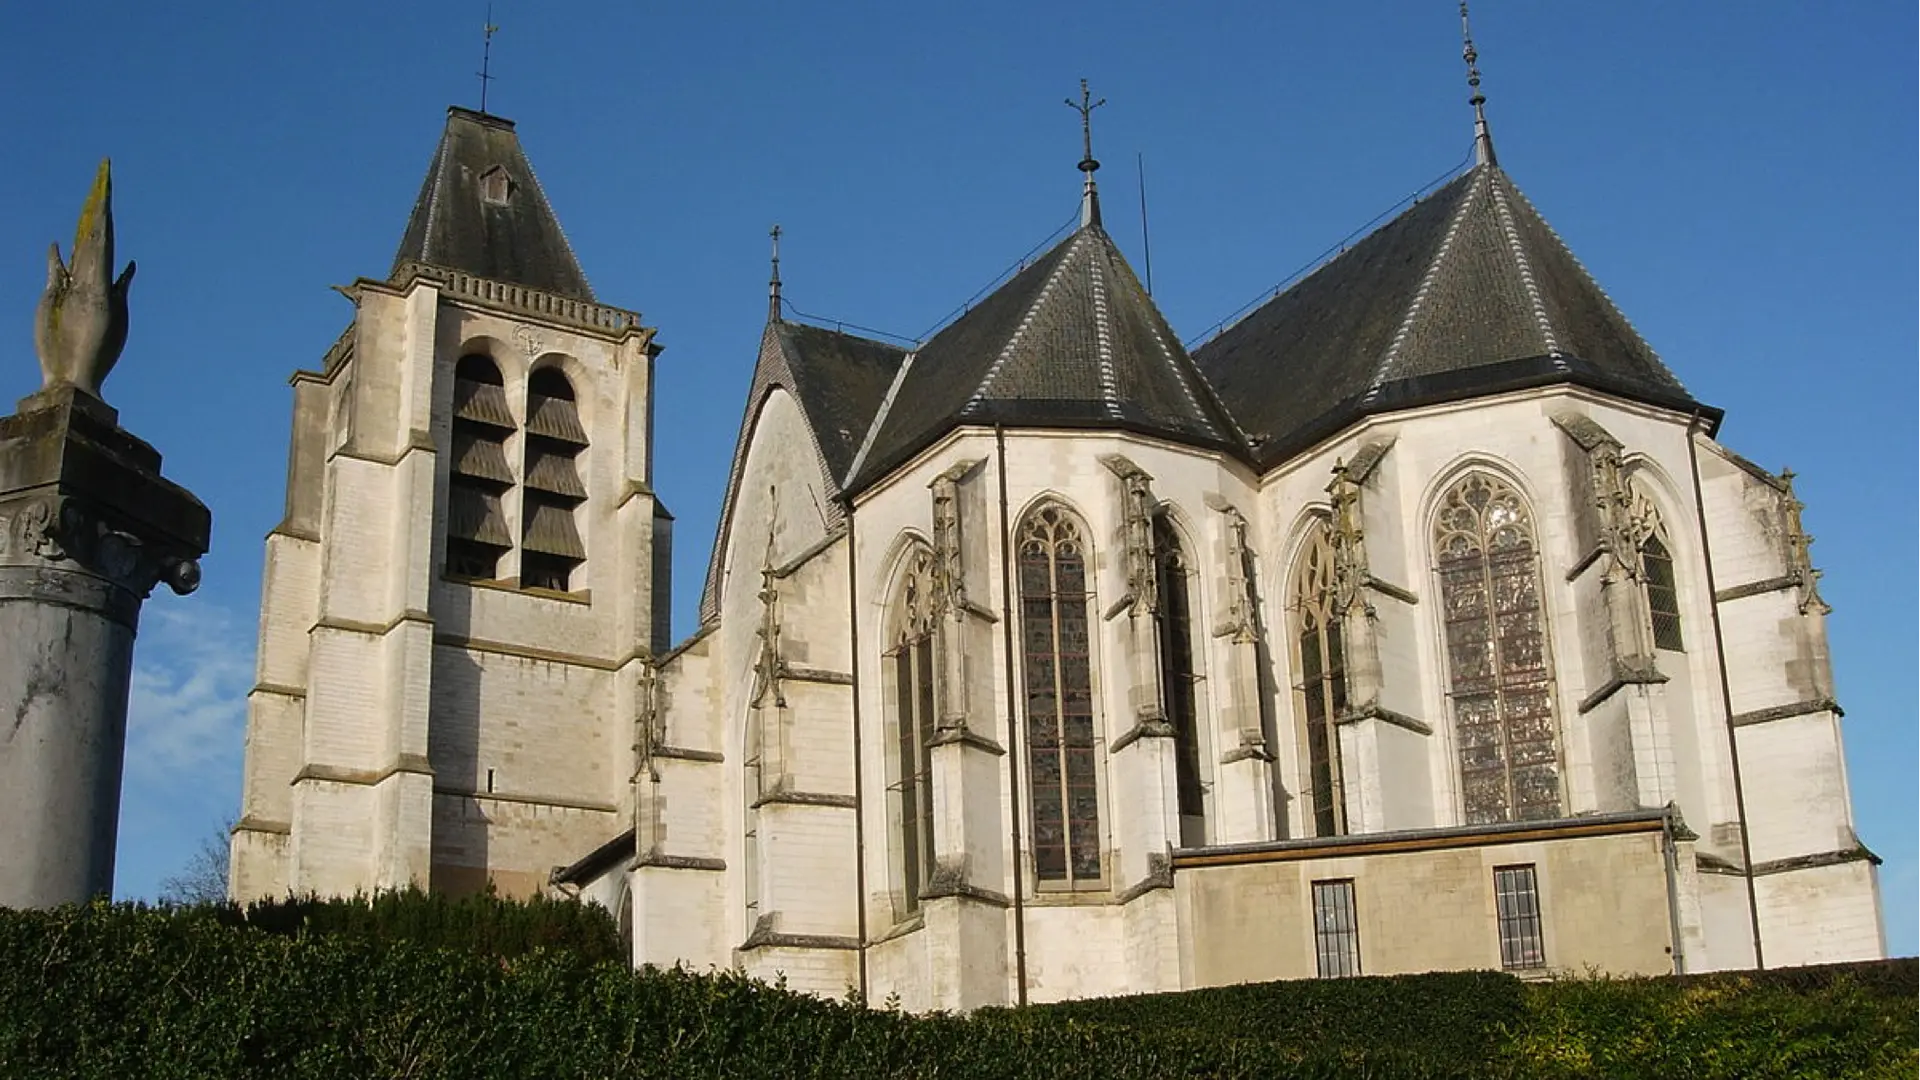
column 1800, row 549
column 1137, row 510
column 88, row 526
column 81, row 324
column 1350, row 575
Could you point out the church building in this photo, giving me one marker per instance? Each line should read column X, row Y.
column 1417, row 621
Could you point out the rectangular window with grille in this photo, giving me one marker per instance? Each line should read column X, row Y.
column 1517, row 900
column 1336, row 929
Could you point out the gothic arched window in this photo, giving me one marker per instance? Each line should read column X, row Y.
column 1501, row 677
column 1663, row 597
column 1179, row 678
column 1055, row 643
column 551, row 550
column 478, row 476
column 1320, row 660
column 910, row 659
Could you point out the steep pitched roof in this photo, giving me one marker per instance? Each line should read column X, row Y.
column 839, row 381
column 1468, row 292
column 467, row 219
column 1070, row 341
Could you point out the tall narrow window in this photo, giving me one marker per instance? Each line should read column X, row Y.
column 1663, row 599
column 1497, row 654
column 1516, row 896
column 479, row 476
column 551, row 549
column 912, row 661
column 1178, row 679
column 1321, row 691
column 1336, row 930
column 1061, row 766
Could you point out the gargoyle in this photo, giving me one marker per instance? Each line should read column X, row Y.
column 81, row 324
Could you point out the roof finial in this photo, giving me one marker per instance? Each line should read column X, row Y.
column 773, row 286
column 486, row 59
column 1482, row 138
column 1089, row 198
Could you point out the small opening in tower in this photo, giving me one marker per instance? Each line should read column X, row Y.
column 495, row 186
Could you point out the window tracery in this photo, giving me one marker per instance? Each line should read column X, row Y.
column 1500, row 674
column 1320, row 661
column 1663, row 595
column 1056, row 644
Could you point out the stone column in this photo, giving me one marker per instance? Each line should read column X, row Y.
column 87, row 527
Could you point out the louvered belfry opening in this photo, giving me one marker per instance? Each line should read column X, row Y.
column 477, row 532
column 550, row 547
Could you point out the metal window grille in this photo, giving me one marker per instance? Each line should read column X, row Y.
column 1322, row 687
column 1336, row 929
column 1056, row 649
column 1663, row 598
column 1517, row 901
column 1500, row 676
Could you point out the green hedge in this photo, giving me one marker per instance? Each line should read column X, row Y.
column 477, row 923
column 113, row 991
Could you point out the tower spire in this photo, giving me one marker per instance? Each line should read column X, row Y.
column 1482, row 138
column 773, row 284
column 1089, row 195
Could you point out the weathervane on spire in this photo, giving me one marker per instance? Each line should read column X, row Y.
column 1089, row 199
column 773, row 285
column 486, row 58
column 1482, row 138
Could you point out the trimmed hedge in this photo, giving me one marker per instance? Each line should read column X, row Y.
column 129, row 991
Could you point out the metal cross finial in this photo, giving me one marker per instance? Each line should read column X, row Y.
column 773, row 285
column 486, row 59
column 1482, row 138
column 1086, row 105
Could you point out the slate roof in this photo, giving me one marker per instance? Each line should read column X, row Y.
column 1468, row 292
column 838, row 380
column 517, row 241
column 1073, row 340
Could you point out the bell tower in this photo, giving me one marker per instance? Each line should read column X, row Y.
column 471, row 574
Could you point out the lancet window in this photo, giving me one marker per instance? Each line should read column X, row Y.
column 1321, row 689
column 551, row 551
column 910, row 657
column 1497, row 653
column 1179, row 676
column 479, row 476
column 1061, row 754
column 1663, row 596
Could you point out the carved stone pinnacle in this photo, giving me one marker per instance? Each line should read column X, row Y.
column 81, row 323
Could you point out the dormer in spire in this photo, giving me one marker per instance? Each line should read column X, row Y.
column 1482, row 138
column 1089, row 194
column 481, row 211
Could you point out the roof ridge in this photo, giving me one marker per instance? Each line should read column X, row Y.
column 1518, row 250
column 437, row 170
column 981, row 391
column 1102, row 334
column 1184, row 374
column 541, row 193
column 1414, row 306
column 879, row 419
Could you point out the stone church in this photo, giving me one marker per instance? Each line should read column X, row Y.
column 1416, row 621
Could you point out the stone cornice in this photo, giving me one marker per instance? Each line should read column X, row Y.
column 1788, row 711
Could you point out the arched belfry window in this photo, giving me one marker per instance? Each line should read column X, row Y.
column 1656, row 576
column 1055, row 645
column 551, row 550
column 1320, row 664
column 1497, row 660
column 1179, row 677
column 910, row 659
column 479, row 476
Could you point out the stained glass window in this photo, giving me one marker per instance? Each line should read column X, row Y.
column 1321, row 690
column 912, row 660
column 1055, row 645
column 1497, row 654
column 1178, row 678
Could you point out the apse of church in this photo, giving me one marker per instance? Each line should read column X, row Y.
column 1043, row 658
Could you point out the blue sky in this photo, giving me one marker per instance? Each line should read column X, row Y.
column 1741, row 178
